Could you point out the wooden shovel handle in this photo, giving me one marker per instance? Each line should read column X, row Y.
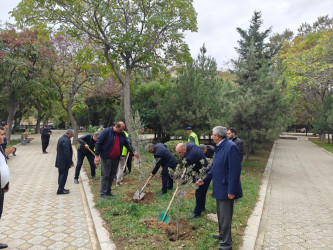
column 91, row 151
column 145, row 184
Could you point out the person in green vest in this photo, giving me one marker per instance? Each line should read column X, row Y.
column 192, row 137
column 122, row 161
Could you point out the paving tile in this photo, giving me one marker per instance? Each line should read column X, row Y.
column 297, row 206
column 37, row 218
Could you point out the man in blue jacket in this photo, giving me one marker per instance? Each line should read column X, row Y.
column 225, row 173
column 108, row 150
column 64, row 160
column 194, row 156
column 165, row 159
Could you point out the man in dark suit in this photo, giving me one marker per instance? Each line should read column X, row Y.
column 64, row 160
column 45, row 136
column 165, row 159
column 87, row 142
column 227, row 187
column 4, row 176
column 231, row 133
column 194, row 156
column 208, row 150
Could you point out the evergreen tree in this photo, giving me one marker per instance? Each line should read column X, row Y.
column 192, row 99
column 258, row 108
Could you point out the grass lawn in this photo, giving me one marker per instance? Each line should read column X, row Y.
column 325, row 145
column 134, row 225
column 13, row 142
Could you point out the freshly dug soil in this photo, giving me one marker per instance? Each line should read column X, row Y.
column 185, row 231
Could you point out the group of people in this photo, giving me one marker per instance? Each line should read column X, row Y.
column 113, row 150
column 225, row 173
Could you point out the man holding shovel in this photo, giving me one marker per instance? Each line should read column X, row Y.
column 194, row 156
column 165, row 159
column 108, row 151
column 87, row 145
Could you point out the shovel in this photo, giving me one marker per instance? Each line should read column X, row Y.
column 91, row 152
column 163, row 216
column 139, row 194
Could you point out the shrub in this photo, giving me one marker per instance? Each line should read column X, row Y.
column 172, row 148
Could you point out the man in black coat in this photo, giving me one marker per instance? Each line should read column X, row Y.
column 64, row 160
column 194, row 156
column 45, row 136
column 87, row 142
column 231, row 133
column 165, row 159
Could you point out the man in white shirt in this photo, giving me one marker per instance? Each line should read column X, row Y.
column 4, row 176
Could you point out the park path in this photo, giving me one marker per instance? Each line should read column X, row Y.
column 34, row 216
column 298, row 208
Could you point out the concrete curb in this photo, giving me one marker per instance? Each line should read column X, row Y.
column 93, row 215
column 252, row 228
column 319, row 147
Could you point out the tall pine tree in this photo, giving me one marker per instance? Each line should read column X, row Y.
column 259, row 110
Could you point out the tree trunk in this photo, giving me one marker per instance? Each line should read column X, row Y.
column 329, row 139
column 247, row 150
column 74, row 125
column 39, row 118
column 12, row 107
column 127, row 102
column 322, row 137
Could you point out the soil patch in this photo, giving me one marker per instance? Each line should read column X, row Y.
column 189, row 194
column 129, row 180
column 185, row 231
column 147, row 199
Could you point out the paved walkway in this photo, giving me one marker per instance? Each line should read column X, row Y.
column 35, row 217
column 298, row 207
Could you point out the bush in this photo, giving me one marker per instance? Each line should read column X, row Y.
column 172, row 148
column 92, row 129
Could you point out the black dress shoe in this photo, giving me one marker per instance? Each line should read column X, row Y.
column 193, row 216
column 111, row 194
column 160, row 193
column 63, row 192
column 3, row 246
column 216, row 236
column 104, row 198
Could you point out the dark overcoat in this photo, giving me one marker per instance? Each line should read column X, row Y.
column 64, row 153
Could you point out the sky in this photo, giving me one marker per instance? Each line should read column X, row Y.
column 218, row 19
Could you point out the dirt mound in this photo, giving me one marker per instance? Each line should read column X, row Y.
column 184, row 232
column 147, row 199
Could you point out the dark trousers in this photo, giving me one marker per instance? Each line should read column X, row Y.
column 1, row 200
column 109, row 169
column 200, row 198
column 167, row 182
column 80, row 158
column 63, row 173
column 225, row 210
column 45, row 144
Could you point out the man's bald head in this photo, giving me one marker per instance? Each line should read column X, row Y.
column 181, row 149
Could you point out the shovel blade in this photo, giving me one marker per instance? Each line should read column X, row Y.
column 164, row 218
column 138, row 195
